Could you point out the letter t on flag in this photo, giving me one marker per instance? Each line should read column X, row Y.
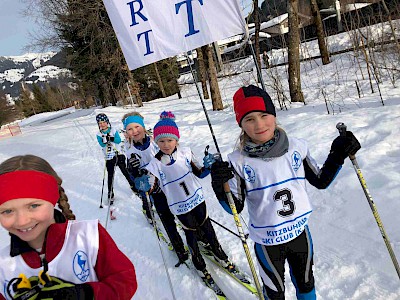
column 151, row 30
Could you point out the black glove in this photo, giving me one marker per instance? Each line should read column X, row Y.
column 221, row 172
column 344, row 145
column 109, row 138
column 61, row 289
column 134, row 165
column 52, row 288
column 23, row 288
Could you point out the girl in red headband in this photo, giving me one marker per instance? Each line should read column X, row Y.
column 269, row 170
column 51, row 256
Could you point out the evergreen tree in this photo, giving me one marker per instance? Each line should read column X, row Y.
column 40, row 97
column 27, row 102
column 7, row 113
column 84, row 32
column 53, row 98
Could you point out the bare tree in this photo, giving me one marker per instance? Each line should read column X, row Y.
column 160, row 83
column 202, row 73
column 296, row 93
column 392, row 28
column 256, row 15
column 212, row 72
column 320, row 32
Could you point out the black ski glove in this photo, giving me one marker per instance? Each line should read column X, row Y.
column 54, row 288
column 134, row 165
column 221, row 172
column 60, row 289
column 343, row 146
column 109, row 138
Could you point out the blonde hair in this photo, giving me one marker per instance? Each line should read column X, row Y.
column 134, row 113
column 32, row 162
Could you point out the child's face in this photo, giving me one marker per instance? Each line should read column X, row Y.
column 135, row 131
column 167, row 145
column 28, row 219
column 259, row 126
column 103, row 125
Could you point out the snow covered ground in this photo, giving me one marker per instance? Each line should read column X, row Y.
column 351, row 260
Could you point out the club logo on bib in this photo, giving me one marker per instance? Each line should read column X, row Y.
column 80, row 266
column 162, row 175
column 296, row 160
column 249, row 174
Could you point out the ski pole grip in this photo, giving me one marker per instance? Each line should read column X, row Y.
column 206, row 150
column 342, row 131
column 341, row 127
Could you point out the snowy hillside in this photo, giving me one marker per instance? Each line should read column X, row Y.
column 30, row 68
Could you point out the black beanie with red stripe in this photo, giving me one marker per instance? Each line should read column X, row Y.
column 251, row 98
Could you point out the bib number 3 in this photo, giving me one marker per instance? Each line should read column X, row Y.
column 285, row 196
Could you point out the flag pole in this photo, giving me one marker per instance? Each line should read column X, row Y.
column 201, row 99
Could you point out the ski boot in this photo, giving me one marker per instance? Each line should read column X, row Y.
column 209, row 282
column 112, row 213
column 183, row 258
column 226, row 264
column 206, row 276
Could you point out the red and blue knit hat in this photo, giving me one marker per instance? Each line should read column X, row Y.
column 251, row 98
column 166, row 127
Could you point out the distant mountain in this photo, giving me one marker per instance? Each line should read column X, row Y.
column 38, row 68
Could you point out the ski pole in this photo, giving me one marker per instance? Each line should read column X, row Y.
column 242, row 237
column 227, row 229
column 202, row 103
column 102, row 187
column 259, row 74
column 111, row 191
column 342, row 130
column 104, row 176
column 159, row 243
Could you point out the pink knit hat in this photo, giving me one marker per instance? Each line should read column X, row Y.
column 166, row 127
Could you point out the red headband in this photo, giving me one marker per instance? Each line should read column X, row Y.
column 28, row 184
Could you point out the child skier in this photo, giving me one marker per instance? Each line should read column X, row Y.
column 140, row 149
column 269, row 170
column 76, row 260
column 176, row 171
column 110, row 141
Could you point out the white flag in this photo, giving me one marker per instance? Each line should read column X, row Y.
column 151, row 30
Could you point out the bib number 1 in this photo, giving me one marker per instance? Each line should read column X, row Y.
column 183, row 185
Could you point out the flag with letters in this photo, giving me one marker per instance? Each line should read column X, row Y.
column 151, row 30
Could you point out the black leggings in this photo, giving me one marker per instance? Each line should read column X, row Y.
column 299, row 255
column 198, row 220
column 168, row 220
column 117, row 160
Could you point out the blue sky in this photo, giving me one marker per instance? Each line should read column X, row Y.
column 14, row 32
